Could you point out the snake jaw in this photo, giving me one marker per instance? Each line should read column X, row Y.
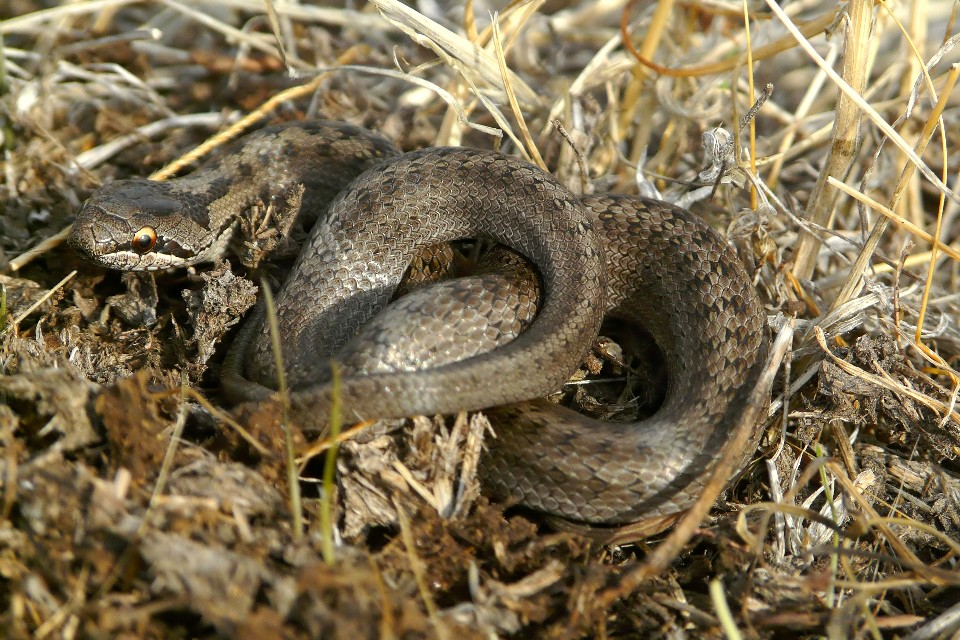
column 100, row 243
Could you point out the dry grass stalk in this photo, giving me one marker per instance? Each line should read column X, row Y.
column 845, row 135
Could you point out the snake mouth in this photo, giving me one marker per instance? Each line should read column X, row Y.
column 97, row 242
column 129, row 243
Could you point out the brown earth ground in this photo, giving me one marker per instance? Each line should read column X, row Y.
column 131, row 507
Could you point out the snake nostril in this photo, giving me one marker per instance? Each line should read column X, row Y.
column 92, row 239
column 82, row 240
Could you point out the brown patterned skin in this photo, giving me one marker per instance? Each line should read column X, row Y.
column 638, row 259
column 448, row 320
column 196, row 216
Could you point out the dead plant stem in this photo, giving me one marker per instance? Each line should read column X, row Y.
column 844, row 139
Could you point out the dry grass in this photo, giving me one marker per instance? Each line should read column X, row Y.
column 848, row 523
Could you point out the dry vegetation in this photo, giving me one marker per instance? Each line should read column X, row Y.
column 131, row 508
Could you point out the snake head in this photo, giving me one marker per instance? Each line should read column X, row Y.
column 142, row 225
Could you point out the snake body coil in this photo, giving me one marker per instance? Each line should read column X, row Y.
column 641, row 260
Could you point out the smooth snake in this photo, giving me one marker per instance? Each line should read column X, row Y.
column 641, row 260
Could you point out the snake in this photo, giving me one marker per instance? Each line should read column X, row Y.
column 371, row 210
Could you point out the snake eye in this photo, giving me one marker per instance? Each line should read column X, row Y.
column 144, row 240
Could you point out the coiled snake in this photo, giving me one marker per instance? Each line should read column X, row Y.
column 638, row 259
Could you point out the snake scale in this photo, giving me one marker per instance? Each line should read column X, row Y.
column 637, row 259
